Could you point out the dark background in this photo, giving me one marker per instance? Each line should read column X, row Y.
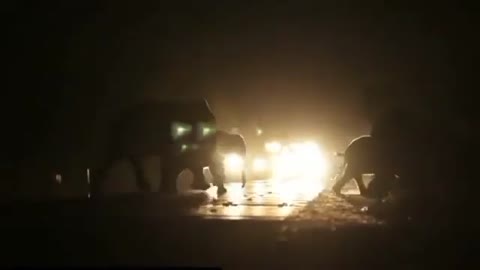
column 324, row 68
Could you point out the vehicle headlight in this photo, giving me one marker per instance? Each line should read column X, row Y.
column 297, row 159
column 188, row 147
column 259, row 164
column 206, row 130
column 273, row 147
column 179, row 129
column 233, row 162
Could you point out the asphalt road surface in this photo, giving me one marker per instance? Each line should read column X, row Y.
column 260, row 199
column 268, row 224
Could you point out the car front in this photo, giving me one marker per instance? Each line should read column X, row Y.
column 289, row 159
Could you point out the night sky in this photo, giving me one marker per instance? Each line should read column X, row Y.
column 73, row 64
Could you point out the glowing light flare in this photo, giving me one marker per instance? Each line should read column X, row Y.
column 287, row 191
column 273, row 147
column 259, row 164
column 304, row 160
column 180, row 129
column 212, row 192
column 304, row 189
column 206, row 131
column 259, row 189
column 309, row 188
column 235, row 193
column 233, row 163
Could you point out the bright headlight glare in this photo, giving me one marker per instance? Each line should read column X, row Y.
column 273, row 147
column 259, row 164
column 301, row 159
column 207, row 129
column 180, row 129
column 233, row 162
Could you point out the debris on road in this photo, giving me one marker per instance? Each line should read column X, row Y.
column 329, row 209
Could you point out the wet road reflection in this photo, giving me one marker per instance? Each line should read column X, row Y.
column 261, row 199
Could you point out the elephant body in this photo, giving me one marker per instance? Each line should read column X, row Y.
column 181, row 133
column 400, row 144
column 362, row 156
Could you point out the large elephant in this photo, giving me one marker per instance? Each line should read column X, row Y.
column 181, row 133
column 398, row 146
column 362, row 157
column 227, row 143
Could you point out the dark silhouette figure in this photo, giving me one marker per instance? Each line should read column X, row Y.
column 180, row 132
column 225, row 143
column 217, row 169
column 362, row 157
column 401, row 145
column 404, row 141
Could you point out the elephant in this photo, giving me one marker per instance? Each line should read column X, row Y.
column 180, row 132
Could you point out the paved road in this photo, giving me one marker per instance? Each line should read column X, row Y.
column 261, row 199
column 268, row 224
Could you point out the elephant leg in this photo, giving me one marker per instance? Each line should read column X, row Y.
column 218, row 173
column 380, row 186
column 140, row 179
column 98, row 176
column 346, row 176
column 199, row 181
column 360, row 184
column 244, row 177
column 169, row 174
